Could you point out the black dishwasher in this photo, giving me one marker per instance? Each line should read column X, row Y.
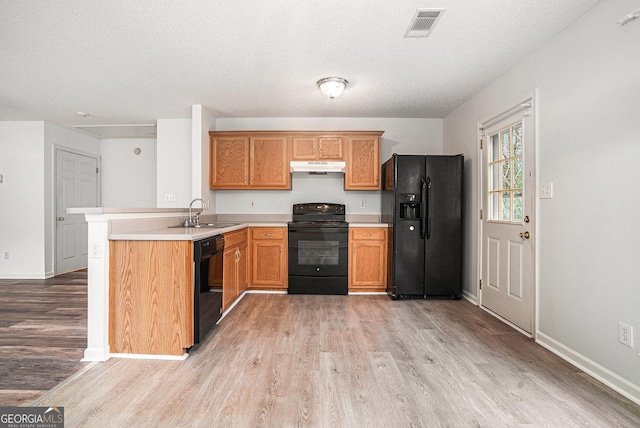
column 207, row 307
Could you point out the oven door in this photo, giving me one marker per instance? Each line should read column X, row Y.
column 318, row 251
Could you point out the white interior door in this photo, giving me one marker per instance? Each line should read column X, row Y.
column 508, row 147
column 76, row 187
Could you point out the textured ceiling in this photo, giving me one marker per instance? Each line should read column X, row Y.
column 141, row 60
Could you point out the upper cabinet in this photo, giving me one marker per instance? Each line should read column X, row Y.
column 245, row 161
column 363, row 163
column 260, row 159
column 229, row 162
column 329, row 148
column 269, row 163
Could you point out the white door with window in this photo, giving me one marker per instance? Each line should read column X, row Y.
column 76, row 187
column 508, row 217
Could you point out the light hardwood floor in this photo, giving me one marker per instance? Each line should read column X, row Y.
column 346, row 361
column 43, row 334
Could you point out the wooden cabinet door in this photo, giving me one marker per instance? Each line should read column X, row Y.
column 235, row 266
column 304, row 148
column 229, row 162
column 317, row 148
column 229, row 281
column 330, row 148
column 269, row 163
column 269, row 257
column 243, row 270
column 368, row 260
column 363, row 163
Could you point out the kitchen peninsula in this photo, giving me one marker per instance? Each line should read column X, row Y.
column 110, row 228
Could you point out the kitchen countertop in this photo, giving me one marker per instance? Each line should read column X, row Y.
column 185, row 233
column 165, row 230
column 193, row 233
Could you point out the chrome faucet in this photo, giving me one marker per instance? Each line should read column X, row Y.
column 191, row 221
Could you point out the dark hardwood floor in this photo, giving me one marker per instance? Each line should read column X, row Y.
column 347, row 361
column 43, row 334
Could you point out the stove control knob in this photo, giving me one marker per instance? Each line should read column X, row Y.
column 411, row 228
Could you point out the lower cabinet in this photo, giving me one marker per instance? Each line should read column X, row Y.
column 235, row 267
column 367, row 259
column 151, row 297
column 269, row 258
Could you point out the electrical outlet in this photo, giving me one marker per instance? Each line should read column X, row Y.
column 363, row 204
column 625, row 334
column 94, row 250
column 546, row 190
column 251, row 204
column 170, row 197
column 6, row 255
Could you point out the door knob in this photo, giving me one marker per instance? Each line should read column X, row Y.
column 60, row 218
column 525, row 235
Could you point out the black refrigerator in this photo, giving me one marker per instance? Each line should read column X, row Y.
column 422, row 204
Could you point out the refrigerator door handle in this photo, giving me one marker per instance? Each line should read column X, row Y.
column 423, row 208
column 428, row 186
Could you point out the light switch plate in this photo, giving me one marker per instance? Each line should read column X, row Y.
column 546, row 190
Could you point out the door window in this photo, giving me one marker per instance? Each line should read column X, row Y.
column 505, row 167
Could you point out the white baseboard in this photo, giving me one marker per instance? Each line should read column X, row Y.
column 151, row 357
column 96, row 354
column 593, row 369
column 470, row 297
column 25, row 275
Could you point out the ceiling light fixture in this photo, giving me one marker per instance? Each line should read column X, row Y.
column 332, row 87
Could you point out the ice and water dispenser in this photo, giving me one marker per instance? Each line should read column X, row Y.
column 409, row 206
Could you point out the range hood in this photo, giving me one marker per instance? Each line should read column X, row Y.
column 317, row 166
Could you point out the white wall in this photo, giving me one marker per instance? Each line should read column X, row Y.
column 588, row 83
column 203, row 121
column 174, row 169
column 22, row 200
column 405, row 136
column 27, row 194
column 128, row 179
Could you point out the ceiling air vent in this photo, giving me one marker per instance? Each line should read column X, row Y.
column 423, row 22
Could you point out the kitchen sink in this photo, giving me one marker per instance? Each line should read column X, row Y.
column 209, row 225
